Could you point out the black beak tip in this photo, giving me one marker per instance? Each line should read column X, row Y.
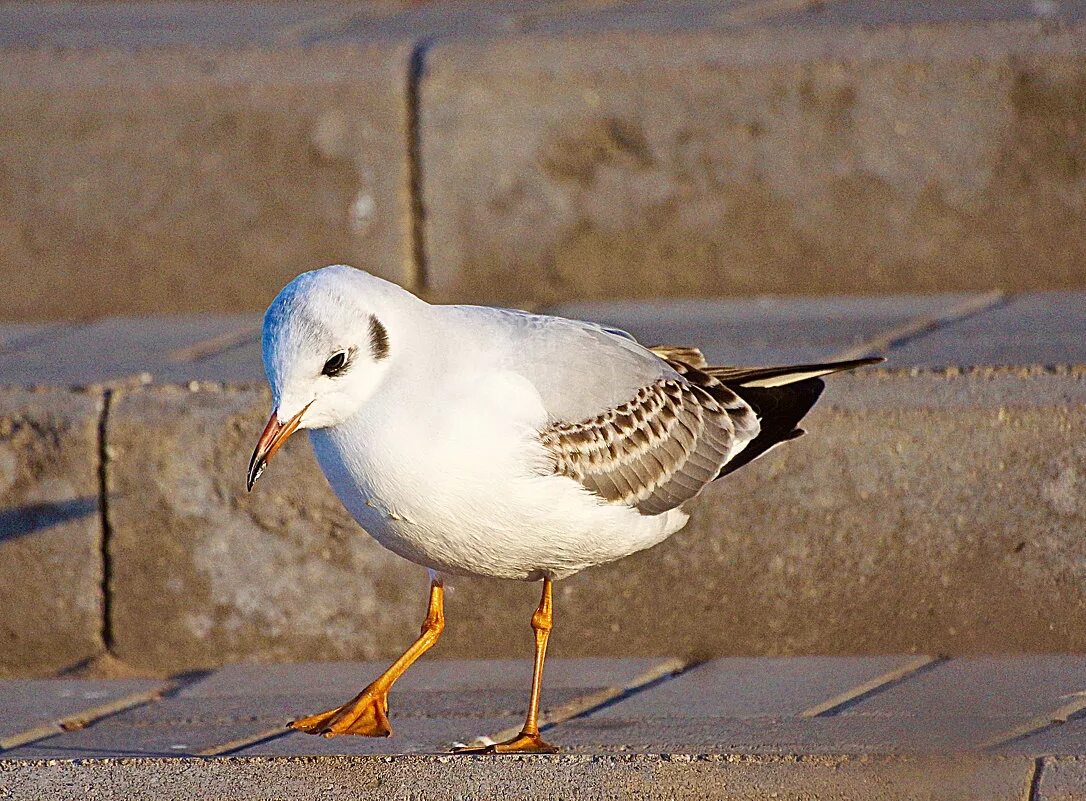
column 256, row 469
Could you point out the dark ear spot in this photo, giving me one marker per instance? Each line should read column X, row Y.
column 378, row 339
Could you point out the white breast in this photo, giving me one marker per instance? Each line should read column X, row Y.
column 463, row 485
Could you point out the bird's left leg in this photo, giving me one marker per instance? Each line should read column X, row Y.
column 367, row 712
column 529, row 740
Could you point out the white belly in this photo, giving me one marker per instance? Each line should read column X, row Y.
column 471, row 495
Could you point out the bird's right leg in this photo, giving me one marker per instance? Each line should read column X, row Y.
column 367, row 712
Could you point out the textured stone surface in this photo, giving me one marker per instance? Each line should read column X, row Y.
column 1020, row 687
column 929, row 513
column 116, row 349
column 751, row 718
column 50, row 530
column 1033, row 328
column 204, row 573
column 823, row 160
column 768, row 735
column 531, row 777
column 753, row 687
column 1062, row 779
column 196, row 180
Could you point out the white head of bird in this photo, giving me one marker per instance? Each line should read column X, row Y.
column 327, row 348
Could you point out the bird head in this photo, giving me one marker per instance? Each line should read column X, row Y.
column 326, row 349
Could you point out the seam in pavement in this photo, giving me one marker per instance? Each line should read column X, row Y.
column 872, row 687
column 214, row 346
column 884, row 343
column 36, row 338
column 229, row 747
column 757, row 11
column 105, row 528
column 416, row 71
column 309, row 32
column 1072, row 710
column 1033, row 786
column 83, row 718
column 666, row 670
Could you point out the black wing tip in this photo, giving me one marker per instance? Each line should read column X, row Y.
column 849, row 364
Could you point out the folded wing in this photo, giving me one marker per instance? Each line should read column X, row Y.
column 686, row 429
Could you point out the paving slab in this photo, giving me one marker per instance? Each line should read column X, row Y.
column 343, row 678
column 738, row 687
column 731, row 745
column 50, row 530
column 27, row 705
column 768, row 330
column 247, row 707
column 768, row 735
column 936, row 558
column 983, row 687
column 910, row 330
column 119, row 348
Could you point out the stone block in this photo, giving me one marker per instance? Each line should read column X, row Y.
column 188, row 179
column 789, row 160
column 1062, row 779
column 50, row 530
column 929, row 513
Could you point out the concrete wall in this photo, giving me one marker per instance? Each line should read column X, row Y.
column 197, row 160
column 935, row 513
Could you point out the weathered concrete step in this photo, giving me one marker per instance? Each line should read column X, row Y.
column 861, row 727
column 932, row 512
column 193, row 159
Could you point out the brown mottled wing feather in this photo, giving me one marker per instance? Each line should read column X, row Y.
column 686, row 354
column 660, row 448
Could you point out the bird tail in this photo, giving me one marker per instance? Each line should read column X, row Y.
column 781, row 396
column 769, row 377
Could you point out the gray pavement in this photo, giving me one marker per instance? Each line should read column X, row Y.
column 857, row 727
column 940, row 330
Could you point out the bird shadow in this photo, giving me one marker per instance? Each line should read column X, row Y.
column 19, row 521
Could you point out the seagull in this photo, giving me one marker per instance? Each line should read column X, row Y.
column 494, row 442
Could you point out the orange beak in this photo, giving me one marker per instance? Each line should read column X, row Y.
column 275, row 434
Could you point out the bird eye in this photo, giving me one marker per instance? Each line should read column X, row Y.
column 335, row 365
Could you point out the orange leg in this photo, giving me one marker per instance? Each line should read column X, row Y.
column 529, row 741
column 367, row 712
